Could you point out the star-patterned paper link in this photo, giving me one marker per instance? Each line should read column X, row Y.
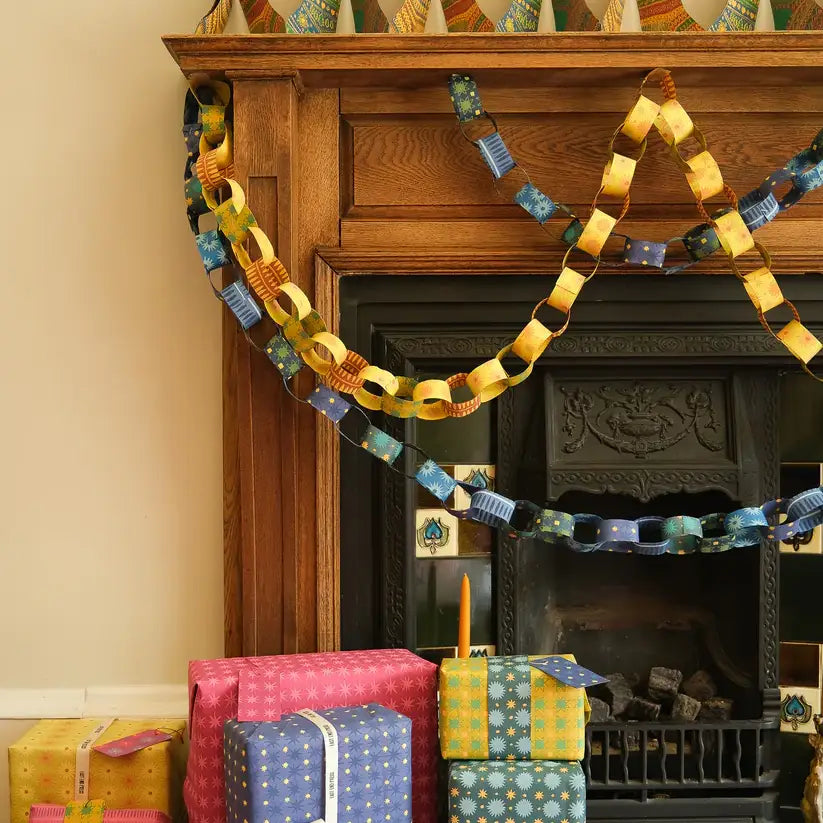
column 318, row 681
column 329, row 403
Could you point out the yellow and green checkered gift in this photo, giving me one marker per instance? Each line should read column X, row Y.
column 504, row 708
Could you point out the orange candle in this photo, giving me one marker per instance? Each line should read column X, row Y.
column 464, row 626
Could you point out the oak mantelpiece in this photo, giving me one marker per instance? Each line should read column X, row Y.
column 414, row 60
column 349, row 143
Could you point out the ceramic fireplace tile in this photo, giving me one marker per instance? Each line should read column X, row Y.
column 478, row 474
column 798, row 705
column 435, row 533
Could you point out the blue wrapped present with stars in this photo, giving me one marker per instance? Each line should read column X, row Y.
column 537, row 791
column 355, row 758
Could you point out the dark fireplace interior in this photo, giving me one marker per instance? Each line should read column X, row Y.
column 662, row 399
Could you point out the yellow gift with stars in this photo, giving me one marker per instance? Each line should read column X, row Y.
column 514, row 708
column 56, row 762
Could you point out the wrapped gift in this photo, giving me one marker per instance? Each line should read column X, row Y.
column 504, row 708
column 349, row 764
column 265, row 688
column 545, row 791
column 56, row 761
column 52, row 813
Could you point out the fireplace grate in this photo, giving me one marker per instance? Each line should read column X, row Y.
column 644, row 759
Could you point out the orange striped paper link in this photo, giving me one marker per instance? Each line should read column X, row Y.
column 673, row 123
column 565, row 291
column 596, row 232
column 763, row 289
column 640, row 119
column 733, row 234
column 617, row 176
column 463, row 407
column 488, row 380
column 799, row 341
column 704, row 178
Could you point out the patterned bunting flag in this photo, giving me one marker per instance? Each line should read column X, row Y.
column 314, row 17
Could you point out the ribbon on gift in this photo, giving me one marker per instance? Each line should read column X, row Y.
column 330, row 747
column 82, row 759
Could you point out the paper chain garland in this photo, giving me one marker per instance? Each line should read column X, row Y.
column 204, row 125
column 348, row 372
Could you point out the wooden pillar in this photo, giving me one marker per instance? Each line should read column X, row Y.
column 278, row 599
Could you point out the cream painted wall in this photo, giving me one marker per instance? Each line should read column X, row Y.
column 110, row 421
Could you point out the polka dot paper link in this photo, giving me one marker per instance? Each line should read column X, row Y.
column 210, row 187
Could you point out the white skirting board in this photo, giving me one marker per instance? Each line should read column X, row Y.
column 164, row 700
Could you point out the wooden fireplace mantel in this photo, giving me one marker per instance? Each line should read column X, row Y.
column 349, row 143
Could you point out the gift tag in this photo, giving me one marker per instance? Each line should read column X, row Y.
column 132, row 743
column 567, row 672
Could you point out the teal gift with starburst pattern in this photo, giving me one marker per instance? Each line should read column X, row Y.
column 546, row 791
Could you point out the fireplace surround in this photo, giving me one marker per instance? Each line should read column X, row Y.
column 348, row 143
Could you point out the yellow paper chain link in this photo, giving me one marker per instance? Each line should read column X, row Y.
column 348, row 372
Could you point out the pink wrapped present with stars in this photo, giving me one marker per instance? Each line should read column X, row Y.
column 265, row 688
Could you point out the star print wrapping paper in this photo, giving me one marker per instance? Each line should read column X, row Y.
column 264, row 688
column 503, row 708
column 275, row 771
column 548, row 791
column 42, row 767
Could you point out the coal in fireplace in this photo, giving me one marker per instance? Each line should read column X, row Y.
column 652, row 416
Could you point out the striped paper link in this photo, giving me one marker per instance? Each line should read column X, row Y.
column 758, row 208
column 494, row 152
column 236, row 296
column 283, row 356
column 465, row 97
column 381, row 445
column 804, row 512
column 522, row 15
column 540, row 206
column 491, row 508
column 435, row 480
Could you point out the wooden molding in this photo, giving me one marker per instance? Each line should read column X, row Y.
column 408, row 61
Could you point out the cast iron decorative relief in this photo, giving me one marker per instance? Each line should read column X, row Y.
column 639, row 418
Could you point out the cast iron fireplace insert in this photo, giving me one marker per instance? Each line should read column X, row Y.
column 661, row 398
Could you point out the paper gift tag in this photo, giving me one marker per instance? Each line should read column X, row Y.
column 133, row 743
column 567, row 672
